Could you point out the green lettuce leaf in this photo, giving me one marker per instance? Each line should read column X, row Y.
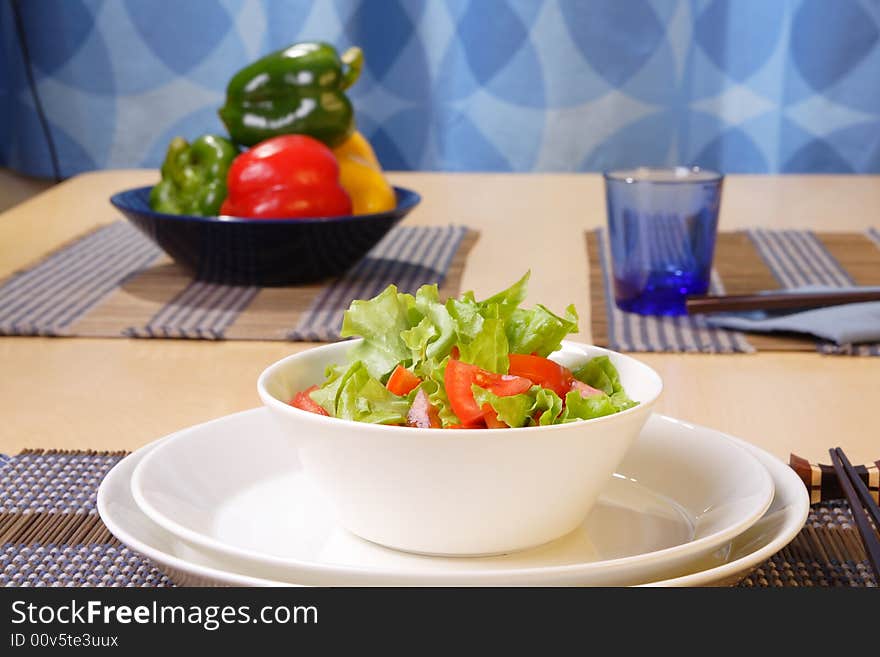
column 465, row 313
column 512, row 409
column 600, row 373
column 521, row 410
column 437, row 396
column 432, row 372
column 548, row 404
column 539, row 330
column 489, row 348
column 325, row 396
column 418, row 338
column 509, row 300
column 545, row 405
column 380, row 321
column 469, row 314
column 427, row 302
column 362, row 398
column 621, row 401
column 586, row 408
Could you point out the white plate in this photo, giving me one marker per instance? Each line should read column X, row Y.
column 780, row 524
column 678, row 496
column 121, row 515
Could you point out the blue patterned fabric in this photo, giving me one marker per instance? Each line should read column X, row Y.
column 521, row 85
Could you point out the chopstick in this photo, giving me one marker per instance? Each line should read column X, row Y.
column 776, row 301
column 857, row 495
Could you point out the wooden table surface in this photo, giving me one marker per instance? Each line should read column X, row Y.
column 80, row 393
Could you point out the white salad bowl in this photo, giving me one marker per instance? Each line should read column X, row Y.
column 458, row 492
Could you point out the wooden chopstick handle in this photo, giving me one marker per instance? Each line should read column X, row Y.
column 868, row 501
column 822, row 482
column 849, row 482
column 776, row 301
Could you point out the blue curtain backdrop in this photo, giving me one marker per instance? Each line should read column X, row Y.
column 499, row 85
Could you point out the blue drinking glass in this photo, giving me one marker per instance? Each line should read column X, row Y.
column 661, row 231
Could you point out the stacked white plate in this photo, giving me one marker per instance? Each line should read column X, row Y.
column 226, row 503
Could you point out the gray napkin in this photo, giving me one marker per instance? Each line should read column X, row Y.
column 851, row 323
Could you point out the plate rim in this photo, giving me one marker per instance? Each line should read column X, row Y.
column 785, row 534
column 252, row 558
column 157, row 555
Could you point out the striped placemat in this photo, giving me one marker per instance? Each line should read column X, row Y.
column 114, row 282
column 51, row 534
column 745, row 262
column 50, row 531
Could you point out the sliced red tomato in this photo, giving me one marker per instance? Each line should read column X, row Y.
column 503, row 385
column 459, row 378
column 584, row 389
column 491, row 417
column 422, row 413
column 402, row 381
column 304, row 402
column 543, row 371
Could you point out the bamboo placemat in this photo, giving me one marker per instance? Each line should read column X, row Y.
column 745, row 262
column 827, row 552
column 114, row 282
column 51, row 534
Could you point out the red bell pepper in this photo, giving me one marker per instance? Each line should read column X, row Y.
column 291, row 176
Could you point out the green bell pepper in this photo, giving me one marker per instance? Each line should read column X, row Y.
column 194, row 176
column 297, row 90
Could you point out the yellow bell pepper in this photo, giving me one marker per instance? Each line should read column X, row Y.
column 360, row 174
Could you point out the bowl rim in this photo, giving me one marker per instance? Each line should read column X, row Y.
column 273, row 403
column 407, row 199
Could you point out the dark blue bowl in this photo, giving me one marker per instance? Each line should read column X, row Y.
column 262, row 251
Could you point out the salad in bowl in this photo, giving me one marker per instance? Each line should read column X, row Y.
column 550, row 419
column 462, row 364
